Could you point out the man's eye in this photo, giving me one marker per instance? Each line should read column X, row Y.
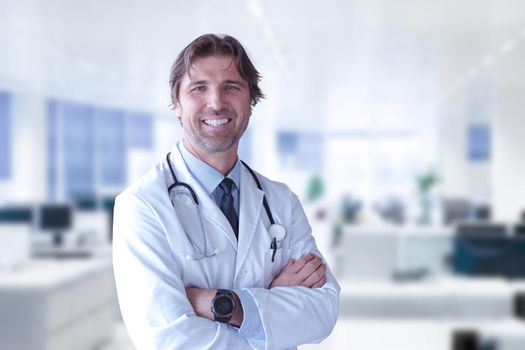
column 199, row 88
column 232, row 87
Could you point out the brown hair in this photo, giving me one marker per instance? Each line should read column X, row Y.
column 209, row 45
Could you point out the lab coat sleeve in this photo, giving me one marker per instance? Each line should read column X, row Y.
column 292, row 316
column 151, row 294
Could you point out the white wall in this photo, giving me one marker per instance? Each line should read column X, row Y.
column 508, row 171
column 461, row 177
column 28, row 177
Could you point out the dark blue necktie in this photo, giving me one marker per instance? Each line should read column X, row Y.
column 226, row 204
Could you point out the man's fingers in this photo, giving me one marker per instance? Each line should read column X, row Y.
column 309, row 268
column 315, row 277
column 320, row 283
column 299, row 264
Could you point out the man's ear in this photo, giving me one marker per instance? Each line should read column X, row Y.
column 177, row 109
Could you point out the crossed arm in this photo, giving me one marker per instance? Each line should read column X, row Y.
column 309, row 271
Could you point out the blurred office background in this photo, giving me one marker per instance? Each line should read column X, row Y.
column 398, row 123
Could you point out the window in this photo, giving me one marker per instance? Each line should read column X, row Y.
column 111, row 148
column 78, row 150
column 52, row 139
column 88, row 148
column 303, row 151
column 5, row 139
column 139, row 130
column 479, row 143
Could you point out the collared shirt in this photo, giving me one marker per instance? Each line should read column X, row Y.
column 210, row 179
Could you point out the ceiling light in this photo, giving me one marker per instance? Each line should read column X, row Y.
column 507, row 46
column 487, row 61
column 472, row 72
column 255, row 8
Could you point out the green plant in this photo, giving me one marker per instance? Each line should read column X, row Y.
column 425, row 181
column 315, row 188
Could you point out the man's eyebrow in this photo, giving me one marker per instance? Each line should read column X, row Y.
column 236, row 82
column 198, row 82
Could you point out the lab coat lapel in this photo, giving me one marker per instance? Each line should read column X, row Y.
column 209, row 210
column 251, row 199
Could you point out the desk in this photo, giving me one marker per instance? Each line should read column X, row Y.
column 377, row 253
column 54, row 305
column 446, row 298
column 417, row 334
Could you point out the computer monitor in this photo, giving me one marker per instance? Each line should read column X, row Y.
column 519, row 229
column 16, row 215
column 56, row 219
column 85, row 203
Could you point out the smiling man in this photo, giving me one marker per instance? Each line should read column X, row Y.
column 209, row 254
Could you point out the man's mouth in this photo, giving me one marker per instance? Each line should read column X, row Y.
column 216, row 122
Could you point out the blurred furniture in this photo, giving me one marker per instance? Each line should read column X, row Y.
column 455, row 210
column 381, row 253
column 481, row 228
column 15, row 235
column 15, row 245
column 54, row 305
column 440, row 299
column 519, row 229
column 421, row 334
column 494, row 254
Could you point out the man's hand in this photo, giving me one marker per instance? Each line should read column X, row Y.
column 201, row 299
column 309, row 271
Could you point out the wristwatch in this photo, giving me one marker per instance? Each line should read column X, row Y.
column 223, row 305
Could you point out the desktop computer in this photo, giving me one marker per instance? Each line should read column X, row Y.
column 55, row 219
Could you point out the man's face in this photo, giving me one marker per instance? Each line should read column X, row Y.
column 213, row 104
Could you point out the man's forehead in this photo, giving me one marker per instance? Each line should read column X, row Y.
column 212, row 64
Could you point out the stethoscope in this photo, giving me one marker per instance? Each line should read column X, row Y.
column 276, row 231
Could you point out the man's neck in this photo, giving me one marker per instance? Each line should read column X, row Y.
column 223, row 162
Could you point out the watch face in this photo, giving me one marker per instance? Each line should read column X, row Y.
column 223, row 305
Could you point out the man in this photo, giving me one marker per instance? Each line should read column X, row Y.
column 207, row 253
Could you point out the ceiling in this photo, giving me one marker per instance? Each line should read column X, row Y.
column 314, row 55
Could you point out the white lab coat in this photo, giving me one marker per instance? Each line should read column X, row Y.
column 151, row 267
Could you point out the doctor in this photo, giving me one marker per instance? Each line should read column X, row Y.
column 209, row 254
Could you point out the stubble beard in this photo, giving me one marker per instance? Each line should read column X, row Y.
column 214, row 144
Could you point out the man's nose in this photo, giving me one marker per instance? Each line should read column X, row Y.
column 215, row 99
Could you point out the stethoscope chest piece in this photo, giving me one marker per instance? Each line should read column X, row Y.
column 278, row 232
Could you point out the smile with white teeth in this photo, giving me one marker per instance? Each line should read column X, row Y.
column 216, row 122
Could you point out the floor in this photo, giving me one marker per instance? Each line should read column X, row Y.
column 355, row 334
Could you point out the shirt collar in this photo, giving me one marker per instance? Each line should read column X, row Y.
column 208, row 177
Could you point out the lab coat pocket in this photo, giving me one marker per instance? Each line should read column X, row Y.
column 272, row 269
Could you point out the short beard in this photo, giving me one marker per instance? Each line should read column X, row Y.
column 216, row 144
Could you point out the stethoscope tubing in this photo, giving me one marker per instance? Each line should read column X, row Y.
column 176, row 183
